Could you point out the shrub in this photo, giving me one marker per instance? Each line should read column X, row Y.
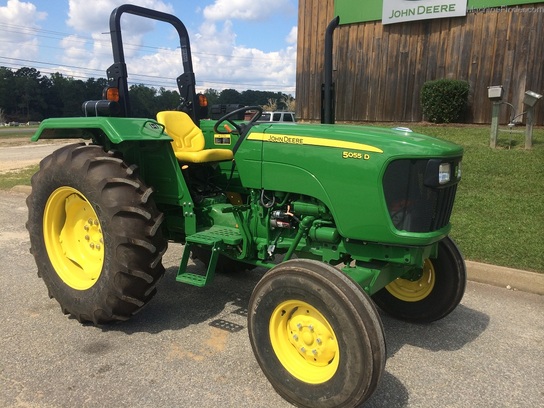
column 444, row 100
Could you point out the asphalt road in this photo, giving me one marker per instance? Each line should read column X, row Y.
column 17, row 156
column 488, row 353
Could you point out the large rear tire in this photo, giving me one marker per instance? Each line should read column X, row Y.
column 95, row 234
column 434, row 294
column 316, row 335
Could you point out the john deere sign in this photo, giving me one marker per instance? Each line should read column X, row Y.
column 396, row 11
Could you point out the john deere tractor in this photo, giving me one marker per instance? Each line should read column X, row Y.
column 344, row 217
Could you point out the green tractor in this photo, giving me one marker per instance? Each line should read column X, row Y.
column 344, row 217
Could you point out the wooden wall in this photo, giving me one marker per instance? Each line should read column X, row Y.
column 379, row 70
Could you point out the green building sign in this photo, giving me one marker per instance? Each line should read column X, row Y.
column 356, row 11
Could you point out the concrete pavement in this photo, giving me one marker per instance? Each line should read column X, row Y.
column 487, row 353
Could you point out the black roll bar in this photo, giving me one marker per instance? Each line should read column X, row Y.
column 118, row 74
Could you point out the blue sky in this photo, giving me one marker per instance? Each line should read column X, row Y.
column 241, row 44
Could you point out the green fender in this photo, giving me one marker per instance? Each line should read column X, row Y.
column 117, row 130
column 142, row 142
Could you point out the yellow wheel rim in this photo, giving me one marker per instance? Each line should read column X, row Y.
column 414, row 290
column 73, row 238
column 304, row 342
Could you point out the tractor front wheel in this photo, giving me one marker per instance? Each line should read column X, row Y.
column 95, row 234
column 316, row 335
column 435, row 292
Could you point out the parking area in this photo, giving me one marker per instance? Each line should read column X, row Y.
column 189, row 347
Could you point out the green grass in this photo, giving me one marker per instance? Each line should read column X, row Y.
column 17, row 177
column 498, row 216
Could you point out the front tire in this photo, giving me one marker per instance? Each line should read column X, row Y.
column 95, row 234
column 434, row 294
column 316, row 335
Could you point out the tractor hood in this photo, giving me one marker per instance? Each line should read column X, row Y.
column 364, row 138
column 361, row 173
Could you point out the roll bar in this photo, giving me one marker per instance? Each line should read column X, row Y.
column 118, row 74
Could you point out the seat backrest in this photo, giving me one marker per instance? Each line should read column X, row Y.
column 179, row 126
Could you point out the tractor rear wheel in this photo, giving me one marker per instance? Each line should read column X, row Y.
column 95, row 234
column 316, row 335
column 434, row 294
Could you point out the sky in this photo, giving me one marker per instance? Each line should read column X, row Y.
column 238, row 44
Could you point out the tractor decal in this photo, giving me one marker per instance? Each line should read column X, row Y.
column 313, row 141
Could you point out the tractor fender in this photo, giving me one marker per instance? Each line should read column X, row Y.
column 117, row 130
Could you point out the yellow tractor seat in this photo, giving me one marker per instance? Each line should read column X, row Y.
column 189, row 140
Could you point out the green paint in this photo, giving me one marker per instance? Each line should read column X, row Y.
column 356, row 11
column 314, row 191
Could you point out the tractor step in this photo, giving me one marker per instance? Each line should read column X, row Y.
column 208, row 237
column 215, row 238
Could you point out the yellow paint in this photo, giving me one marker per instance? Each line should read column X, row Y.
column 313, row 141
column 304, row 342
column 414, row 291
column 73, row 238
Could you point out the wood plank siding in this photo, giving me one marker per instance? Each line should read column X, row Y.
column 379, row 70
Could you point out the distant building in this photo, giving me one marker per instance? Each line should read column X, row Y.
column 380, row 61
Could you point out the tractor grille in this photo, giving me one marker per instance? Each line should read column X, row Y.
column 414, row 204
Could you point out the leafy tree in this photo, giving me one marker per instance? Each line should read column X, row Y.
column 229, row 96
column 212, row 95
column 26, row 94
column 167, row 100
column 271, row 105
column 28, row 86
column 142, row 101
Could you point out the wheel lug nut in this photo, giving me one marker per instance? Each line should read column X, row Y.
column 86, row 227
column 295, row 337
column 299, row 326
column 90, row 221
column 91, row 245
column 303, row 350
column 95, row 222
column 314, row 352
column 87, row 237
column 318, row 341
column 97, row 246
column 311, row 327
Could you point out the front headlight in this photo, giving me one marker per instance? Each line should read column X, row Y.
column 444, row 173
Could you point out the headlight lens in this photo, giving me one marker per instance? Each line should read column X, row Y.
column 444, row 173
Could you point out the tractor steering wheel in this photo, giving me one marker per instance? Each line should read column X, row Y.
column 240, row 129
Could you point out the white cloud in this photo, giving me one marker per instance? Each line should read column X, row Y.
column 18, row 37
column 292, row 36
column 87, row 16
column 220, row 63
column 244, row 9
column 91, row 19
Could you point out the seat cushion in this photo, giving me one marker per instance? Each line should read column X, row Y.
column 208, row 155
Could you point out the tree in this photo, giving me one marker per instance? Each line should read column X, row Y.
column 142, row 101
column 212, row 95
column 167, row 100
column 289, row 103
column 271, row 105
column 229, row 96
column 29, row 85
